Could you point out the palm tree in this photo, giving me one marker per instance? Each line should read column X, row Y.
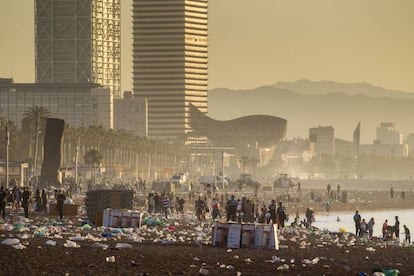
column 34, row 120
column 93, row 158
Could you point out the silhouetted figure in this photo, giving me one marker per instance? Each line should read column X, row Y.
column 397, row 228
column 392, row 192
column 60, row 202
column 357, row 220
column 25, row 202
column 3, row 196
column 407, row 235
column 44, row 200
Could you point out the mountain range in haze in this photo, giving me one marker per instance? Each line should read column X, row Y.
column 308, row 104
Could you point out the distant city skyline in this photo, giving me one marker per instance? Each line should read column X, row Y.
column 254, row 43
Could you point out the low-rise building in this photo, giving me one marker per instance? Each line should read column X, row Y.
column 78, row 104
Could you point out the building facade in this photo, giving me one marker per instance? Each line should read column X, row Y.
column 77, row 104
column 324, row 139
column 170, row 62
column 409, row 141
column 78, row 42
column 385, row 150
column 387, row 134
column 131, row 114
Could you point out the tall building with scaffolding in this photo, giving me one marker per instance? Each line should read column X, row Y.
column 78, row 41
column 170, row 62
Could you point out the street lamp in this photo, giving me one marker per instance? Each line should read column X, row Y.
column 7, row 156
column 36, row 147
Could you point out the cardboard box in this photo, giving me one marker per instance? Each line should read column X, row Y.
column 247, row 235
column 116, row 218
column 220, row 234
column 126, row 219
column 106, row 217
column 273, row 238
column 234, row 236
column 68, row 210
column 136, row 219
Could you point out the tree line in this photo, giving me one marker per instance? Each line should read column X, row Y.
column 119, row 151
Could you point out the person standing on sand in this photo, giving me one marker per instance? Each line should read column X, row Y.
column 385, row 229
column 272, row 210
column 3, row 196
column 370, row 227
column 25, row 201
column 309, row 217
column 60, row 201
column 397, row 228
column 357, row 220
column 363, row 229
column 392, row 192
column 281, row 215
column 231, row 209
column 44, row 200
column 407, row 235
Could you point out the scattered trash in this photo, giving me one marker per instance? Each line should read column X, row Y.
column 72, row 244
column 203, row 271
column 18, row 246
column 50, row 243
column 10, row 241
column 283, row 267
column 249, row 261
column 134, row 263
column 123, row 245
column 110, row 259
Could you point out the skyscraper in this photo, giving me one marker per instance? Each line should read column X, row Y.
column 170, row 62
column 324, row 139
column 78, row 41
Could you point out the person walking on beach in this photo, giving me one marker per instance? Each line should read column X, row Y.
column 407, row 235
column 60, row 201
column 357, row 220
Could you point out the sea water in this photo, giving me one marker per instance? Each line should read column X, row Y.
column 346, row 220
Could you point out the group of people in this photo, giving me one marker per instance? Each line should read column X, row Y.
column 365, row 229
column 165, row 203
column 18, row 198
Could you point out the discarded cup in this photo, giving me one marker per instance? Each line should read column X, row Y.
column 110, row 259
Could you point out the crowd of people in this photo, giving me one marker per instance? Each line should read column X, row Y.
column 23, row 198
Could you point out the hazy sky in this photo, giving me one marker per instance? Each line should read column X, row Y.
column 258, row 42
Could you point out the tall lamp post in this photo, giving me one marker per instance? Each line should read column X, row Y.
column 7, row 156
column 222, row 169
column 36, row 147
